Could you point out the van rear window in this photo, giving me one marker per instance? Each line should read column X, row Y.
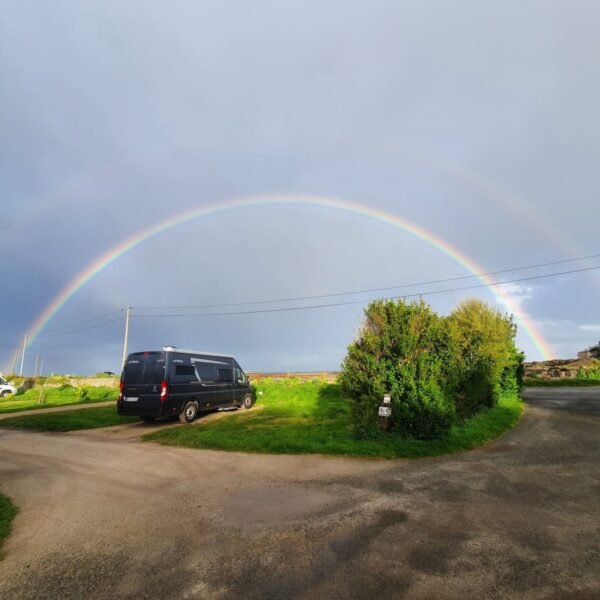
column 144, row 368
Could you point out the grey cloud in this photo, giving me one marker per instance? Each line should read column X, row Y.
column 476, row 122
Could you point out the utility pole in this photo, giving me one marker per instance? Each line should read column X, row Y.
column 37, row 358
column 23, row 355
column 41, row 366
column 127, row 315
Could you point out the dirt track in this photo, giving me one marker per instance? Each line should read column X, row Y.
column 53, row 409
column 103, row 517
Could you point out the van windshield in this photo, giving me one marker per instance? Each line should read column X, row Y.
column 144, row 368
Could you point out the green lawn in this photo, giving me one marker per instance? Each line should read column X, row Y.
column 561, row 382
column 54, row 397
column 298, row 418
column 7, row 513
column 89, row 418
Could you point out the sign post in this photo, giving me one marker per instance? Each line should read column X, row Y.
column 385, row 413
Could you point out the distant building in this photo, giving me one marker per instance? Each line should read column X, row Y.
column 584, row 354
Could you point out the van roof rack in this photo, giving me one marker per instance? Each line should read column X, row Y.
column 175, row 349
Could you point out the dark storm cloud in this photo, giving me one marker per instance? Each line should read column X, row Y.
column 475, row 121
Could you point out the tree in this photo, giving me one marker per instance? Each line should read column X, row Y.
column 595, row 350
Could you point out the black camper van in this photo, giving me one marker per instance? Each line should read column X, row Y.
column 181, row 382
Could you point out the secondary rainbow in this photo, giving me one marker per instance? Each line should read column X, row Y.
column 111, row 255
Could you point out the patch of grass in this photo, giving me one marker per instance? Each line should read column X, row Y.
column 7, row 513
column 314, row 418
column 561, row 382
column 90, row 418
column 54, row 397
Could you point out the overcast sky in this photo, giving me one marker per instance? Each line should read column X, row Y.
column 477, row 121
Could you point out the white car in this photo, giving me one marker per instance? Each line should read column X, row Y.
column 6, row 388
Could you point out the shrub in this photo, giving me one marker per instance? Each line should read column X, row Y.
column 437, row 369
column 488, row 362
column 84, row 394
column 28, row 383
column 401, row 349
column 595, row 350
column 589, row 373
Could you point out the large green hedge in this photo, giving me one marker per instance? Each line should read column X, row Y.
column 438, row 370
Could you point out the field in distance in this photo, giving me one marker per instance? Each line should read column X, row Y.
column 54, row 397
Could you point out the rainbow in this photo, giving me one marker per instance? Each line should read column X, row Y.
column 111, row 255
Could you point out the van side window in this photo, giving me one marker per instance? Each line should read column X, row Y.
column 185, row 374
column 206, row 372
column 225, row 375
column 184, row 370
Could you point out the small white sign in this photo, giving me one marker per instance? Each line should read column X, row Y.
column 387, row 399
column 385, row 411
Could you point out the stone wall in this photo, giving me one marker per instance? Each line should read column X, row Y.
column 559, row 369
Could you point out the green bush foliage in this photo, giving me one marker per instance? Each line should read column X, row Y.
column 83, row 394
column 28, row 383
column 589, row 373
column 438, row 370
column 488, row 361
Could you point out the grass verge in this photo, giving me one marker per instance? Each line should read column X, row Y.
column 54, row 397
column 90, row 418
column 7, row 513
column 561, row 382
column 314, row 418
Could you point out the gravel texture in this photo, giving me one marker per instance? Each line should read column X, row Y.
column 104, row 516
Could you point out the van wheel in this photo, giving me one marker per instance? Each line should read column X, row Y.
column 247, row 402
column 4, row 393
column 189, row 412
column 148, row 419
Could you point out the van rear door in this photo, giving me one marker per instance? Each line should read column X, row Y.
column 142, row 377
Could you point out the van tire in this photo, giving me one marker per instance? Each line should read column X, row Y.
column 189, row 412
column 148, row 419
column 247, row 402
column 4, row 393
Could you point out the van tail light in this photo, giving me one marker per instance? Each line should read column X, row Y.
column 120, row 390
column 164, row 391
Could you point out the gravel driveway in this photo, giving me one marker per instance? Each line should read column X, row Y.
column 114, row 518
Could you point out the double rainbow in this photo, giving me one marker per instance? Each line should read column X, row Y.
column 111, row 255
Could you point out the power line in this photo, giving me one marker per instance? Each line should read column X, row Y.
column 74, row 327
column 114, row 312
column 333, row 304
column 366, row 291
column 44, row 335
